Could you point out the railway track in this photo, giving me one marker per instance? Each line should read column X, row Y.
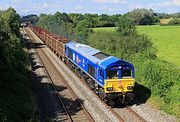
column 128, row 114
column 72, row 106
column 123, row 114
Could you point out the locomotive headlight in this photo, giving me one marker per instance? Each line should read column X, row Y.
column 130, row 87
column 110, row 89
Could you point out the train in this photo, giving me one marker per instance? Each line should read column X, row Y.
column 111, row 78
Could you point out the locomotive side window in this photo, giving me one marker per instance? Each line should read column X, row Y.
column 70, row 54
column 91, row 70
column 126, row 73
column 101, row 73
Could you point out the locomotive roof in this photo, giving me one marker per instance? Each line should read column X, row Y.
column 95, row 55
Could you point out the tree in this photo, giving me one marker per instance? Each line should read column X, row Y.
column 126, row 26
column 83, row 30
column 174, row 22
column 13, row 71
column 75, row 17
column 66, row 18
column 32, row 17
column 143, row 16
column 12, row 19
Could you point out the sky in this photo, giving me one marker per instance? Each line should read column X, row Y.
column 25, row 7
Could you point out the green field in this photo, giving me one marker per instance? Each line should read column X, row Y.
column 166, row 39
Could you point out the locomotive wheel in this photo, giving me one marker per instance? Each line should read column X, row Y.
column 90, row 83
column 101, row 93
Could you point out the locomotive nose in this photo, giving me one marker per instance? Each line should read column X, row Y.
column 119, row 85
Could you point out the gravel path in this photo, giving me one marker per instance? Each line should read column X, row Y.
column 152, row 115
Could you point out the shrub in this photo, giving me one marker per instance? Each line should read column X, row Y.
column 124, row 47
column 174, row 22
column 126, row 26
column 162, row 79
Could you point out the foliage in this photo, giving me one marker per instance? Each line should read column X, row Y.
column 82, row 29
column 12, row 21
column 122, row 46
column 143, row 16
column 76, row 17
column 168, row 16
column 62, row 24
column 16, row 101
column 126, row 26
column 174, row 22
column 163, row 16
column 58, row 23
column 163, row 80
column 32, row 18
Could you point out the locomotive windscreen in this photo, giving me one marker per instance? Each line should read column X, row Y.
column 112, row 74
column 126, row 72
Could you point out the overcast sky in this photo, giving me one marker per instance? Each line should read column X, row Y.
column 25, row 7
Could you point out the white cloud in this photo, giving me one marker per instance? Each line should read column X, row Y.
column 171, row 3
column 18, row 1
column 168, row 5
column 25, row 11
column 45, row 5
column 79, row 7
column 105, row 8
column 176, row 2
column 134, row 6
column 111, row 1
column 74, row 0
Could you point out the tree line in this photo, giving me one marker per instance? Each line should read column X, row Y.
column 139, row 16
column 74, row 25
column 16, row 101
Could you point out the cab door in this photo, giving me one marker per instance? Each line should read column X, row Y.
column 101, row 76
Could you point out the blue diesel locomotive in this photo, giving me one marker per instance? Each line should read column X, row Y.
column 110, row 77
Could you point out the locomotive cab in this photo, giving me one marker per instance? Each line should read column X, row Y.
column 119, row 72
column 120, row 80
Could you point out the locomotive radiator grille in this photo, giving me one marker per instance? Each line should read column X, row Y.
column 119, row 85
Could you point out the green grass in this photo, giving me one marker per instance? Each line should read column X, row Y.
column 107, row 29
column 166, row 39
